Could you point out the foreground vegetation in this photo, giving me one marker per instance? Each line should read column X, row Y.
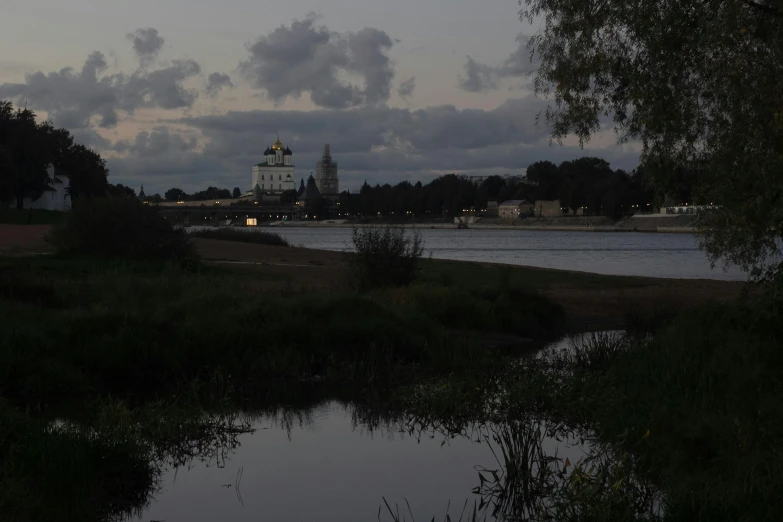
column 160, row 349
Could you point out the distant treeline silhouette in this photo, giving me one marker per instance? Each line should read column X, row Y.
column 586, row 183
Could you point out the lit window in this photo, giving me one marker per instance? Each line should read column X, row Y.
column 251, row 222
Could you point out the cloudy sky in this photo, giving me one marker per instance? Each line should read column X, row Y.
column 189, row 93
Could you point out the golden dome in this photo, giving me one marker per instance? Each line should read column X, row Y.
column 278, row 145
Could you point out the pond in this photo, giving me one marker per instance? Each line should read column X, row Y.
column 327, row 465
column 336, row 461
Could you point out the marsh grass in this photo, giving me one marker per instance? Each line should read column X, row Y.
column 241, row 235
column 696, row 402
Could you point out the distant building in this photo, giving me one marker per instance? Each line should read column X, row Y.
column 326, row 175
column 311, row 192
column 56, row 195
column 276, row 174
column 551, row 208
column 492, row 209
column 515, row 208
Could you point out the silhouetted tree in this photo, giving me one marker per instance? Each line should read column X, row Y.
column 236, row 193
column 175, row 194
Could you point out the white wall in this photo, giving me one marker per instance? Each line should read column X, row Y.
column 56, row 199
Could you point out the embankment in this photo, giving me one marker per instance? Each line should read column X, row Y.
column 661, row 223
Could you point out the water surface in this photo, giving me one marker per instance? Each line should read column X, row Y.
column 609, row 253
column 337, row 462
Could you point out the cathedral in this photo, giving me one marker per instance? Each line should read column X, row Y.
column 276, row 174
column 326, row 175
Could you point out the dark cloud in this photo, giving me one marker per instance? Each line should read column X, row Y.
column 306, row 58
column 216, row 82
column 160, row 88
column 156, row 143
column 73, row 98
column 147, row 43
column 406, row 88
column 480, row 77
column 382, row 144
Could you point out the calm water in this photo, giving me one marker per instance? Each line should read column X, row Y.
column 335, row 463
column 611, row 253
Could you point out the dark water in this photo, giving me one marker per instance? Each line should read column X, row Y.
column 334, row 463
column 610, row 253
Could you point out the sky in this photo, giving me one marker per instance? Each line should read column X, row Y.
column 189, row 93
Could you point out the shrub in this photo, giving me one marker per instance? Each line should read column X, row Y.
column 386, row 256
column 241, row 235
column 119, row 226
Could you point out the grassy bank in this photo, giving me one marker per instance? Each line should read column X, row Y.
column 155, row 329
column 696, row 404
column 12, row 216
column 118, row 337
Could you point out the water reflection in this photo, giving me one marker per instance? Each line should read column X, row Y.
column 335, row 461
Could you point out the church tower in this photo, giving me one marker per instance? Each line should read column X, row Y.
column 326, row 175
column 276, row 173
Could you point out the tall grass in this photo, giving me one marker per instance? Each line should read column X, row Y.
column 697, row 403
column 241, row 235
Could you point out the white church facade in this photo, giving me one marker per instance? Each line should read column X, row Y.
column 276, row 173
column 56, row 196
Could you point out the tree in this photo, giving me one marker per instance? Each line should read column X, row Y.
column 288, row 197
column 175, row 194
column 236, row 194
column 87, row 172
column 30, row 148
column 121, row 190
column 8, row 176
column 23, row 140
column 492, row 186
column 693, row 81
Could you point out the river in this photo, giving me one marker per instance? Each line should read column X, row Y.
column 609, row 253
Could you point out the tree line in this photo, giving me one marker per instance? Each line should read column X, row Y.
column 586, row 184
column 28, row 147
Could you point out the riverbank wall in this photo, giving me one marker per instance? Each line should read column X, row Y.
column 480, row 226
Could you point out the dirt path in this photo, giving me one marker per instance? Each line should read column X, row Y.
column 23, row 238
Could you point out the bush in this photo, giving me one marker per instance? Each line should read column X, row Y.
column 119, row 226
column 386, row 256
column 241, row 235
